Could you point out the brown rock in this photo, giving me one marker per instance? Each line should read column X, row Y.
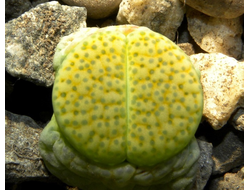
column 230, row 181
column 187, row 48
column 216, row 35
column 96, row 9
column 218, row 8
column 162, row 16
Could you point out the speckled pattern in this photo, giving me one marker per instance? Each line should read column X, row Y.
column 127, row 93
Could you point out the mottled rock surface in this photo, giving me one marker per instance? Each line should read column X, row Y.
column 228, row 154
column 238, row 120
column 230, row 181
column 205, row 165
column 96, row 9
column 14, row 8
column 222, row 78
column 30, row 40
column 22, row 156
column 187, row 48
column 217, row 8
column 216, row 35
column 162, row 16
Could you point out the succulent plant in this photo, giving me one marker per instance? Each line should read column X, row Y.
column 127, row 102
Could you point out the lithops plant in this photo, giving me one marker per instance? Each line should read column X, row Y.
column 127, row 102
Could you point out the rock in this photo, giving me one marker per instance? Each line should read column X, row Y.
column 108, row 22
column 232, row 181
column 14, row 8
column 162, row 16
column 22, row 156
column 183, row 37
column 187, row 48
column 220, row 9
column 228, row 154
column 238, row 120
column 30, row 40
column 222, row 78
column 96, row 9
column 205, row 165
column 216, row 35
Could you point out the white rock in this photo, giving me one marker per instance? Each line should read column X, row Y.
column 222, row 78
column 216, row 35
column 96, row 9
column 162, row 16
